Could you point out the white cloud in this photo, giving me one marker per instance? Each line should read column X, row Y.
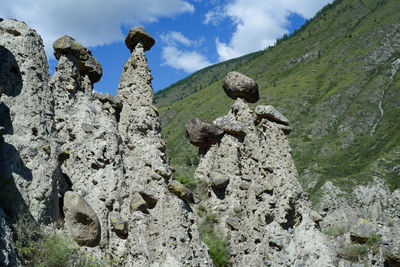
column 183, row 59
column 175, row 38
column 258, row 22
column 91, row 22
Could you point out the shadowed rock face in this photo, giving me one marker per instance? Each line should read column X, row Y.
column 237, row 85
column 201, row 133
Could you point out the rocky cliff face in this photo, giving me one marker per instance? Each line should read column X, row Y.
column 255, row 194
column 93, row 162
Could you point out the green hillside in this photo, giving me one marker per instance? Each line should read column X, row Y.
column 336, row 79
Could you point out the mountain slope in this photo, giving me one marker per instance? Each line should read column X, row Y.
column 336, row 79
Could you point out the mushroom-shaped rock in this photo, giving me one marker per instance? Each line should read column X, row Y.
column 230, row 125
column 271, row 113
column 138, row 203
column 219, row 180
column 139, row 35
column 81, row 221
column 201, row 133
column 66, row 45
column 239, row 85
column 119, row 225
column 88, row 65
column 180, row 190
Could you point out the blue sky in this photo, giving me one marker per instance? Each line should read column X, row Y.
column 189, row 34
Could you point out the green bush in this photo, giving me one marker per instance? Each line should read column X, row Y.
column 187, row 181
column 335, row 230
column 354, row 252
column 39, row 249
column 217, row 247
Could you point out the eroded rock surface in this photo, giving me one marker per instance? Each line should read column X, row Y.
column 262, row 211
column 69, row 154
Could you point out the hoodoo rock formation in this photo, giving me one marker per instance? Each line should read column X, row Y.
column 254, row 192
column 95, row 161
column 93, row 167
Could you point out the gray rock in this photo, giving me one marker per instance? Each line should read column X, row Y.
column 315, row 216
column 362, row 231
column 180, row 190
column 391, row 256
column 230, row 125
column 237, row 85
column 81, row 221
column 271, row 113
column 265, row 208
column 119, row 225
column 201, row 133
column 88, row 65
column 233, row 222
column 285, row 129
column 219, row 180
column 66, row 45
column 138, row 203
column 104, row 98
column 149, row 197
column 24, row 78
column 139, row 35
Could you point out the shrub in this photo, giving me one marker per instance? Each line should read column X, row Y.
column 217, row 247
column 39, row 249
column 187, row 181
column 335, row 230
column 354, row 252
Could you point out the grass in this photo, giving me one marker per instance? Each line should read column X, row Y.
column 39, row 249
column 218, row 248
column 335, row 230
column 354, row 252
column 187, row 181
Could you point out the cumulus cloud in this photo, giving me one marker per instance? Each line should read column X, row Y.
column 182, row 58
column 91, row 22
column 175, row 38
column 258, row 22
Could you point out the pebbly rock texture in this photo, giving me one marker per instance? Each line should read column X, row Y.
column 237, row 85
column 163, row 233
column 28, row 161
column 230, row 125
column 68, row 154
column 201, row 133
column 260, row 207
column 81, row 220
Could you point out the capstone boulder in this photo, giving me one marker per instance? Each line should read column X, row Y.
column 237, row 85
column 201, row 133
